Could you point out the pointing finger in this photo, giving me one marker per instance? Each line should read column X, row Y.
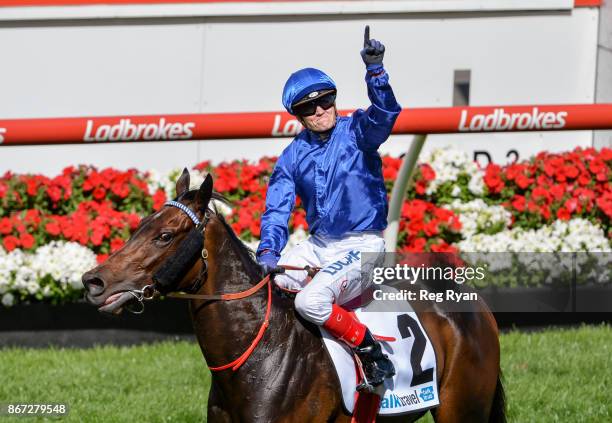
column 366, row 36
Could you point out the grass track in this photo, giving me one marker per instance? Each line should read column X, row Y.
column 551, row 376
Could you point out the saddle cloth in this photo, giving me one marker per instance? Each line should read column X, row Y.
column 414, row 387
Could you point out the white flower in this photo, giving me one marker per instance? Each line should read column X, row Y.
column 574, row 236
column 8, row 299
column 65, row 262
column 449, row 164
column 166, row 181
column 476, row 216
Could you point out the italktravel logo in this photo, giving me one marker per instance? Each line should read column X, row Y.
column 398, row 401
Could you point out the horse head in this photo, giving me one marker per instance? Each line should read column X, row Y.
column 130, row 274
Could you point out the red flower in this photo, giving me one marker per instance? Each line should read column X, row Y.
column 597, row 166
column 121, row 190
column 26, row 240
column 540, row 195
column 6, row 227
column 563, row 214
column 159, row 198
column 572, row 205
column 202, row 166
column 545, row 212
column 32, row 186
column 514, row 170
column 415, row 226
column 605, row 204
column 54, row 192
column 493, row 178
column 32, row 217
column 417, row 246
column 455, row 224
column 116, row 243
column 570, row 171
column 420, row 187
column 53, row 227
column 101, row 258
column 443, row 247
column 428, row 173
column 97, row 237
column 10, row 243
column 519, row 202
column 557, row 191
column 99, row 193
column 584, row 179
column 523, row 181
column 431, row 228
column 532, row 207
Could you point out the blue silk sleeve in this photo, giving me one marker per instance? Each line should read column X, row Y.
column 373, row 126
column 280, row 200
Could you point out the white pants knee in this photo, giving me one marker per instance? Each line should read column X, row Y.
column 344, row 273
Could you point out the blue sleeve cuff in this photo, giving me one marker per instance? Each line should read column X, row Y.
column 375, row 68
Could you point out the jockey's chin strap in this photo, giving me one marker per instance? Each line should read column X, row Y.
column 174, row 269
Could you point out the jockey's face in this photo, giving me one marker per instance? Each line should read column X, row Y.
column 321, row 121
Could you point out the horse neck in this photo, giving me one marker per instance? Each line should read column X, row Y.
column 226, row 328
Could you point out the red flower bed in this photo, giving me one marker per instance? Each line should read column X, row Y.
column 548, row 187
column 100, row 208
column 424, row 227
column 97, row 209
column 555, row 186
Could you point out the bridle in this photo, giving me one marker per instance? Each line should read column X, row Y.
column 148, row 292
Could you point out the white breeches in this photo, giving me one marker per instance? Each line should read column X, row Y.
column 343, row 275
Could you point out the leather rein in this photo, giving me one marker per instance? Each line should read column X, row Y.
column 148, row 292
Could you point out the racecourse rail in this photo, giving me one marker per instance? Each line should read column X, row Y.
column 418, row 121
column 169, row 127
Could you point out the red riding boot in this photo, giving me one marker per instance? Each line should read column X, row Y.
column 344, row 326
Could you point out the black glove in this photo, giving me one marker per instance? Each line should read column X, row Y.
column 268, row 261
column 373, row 51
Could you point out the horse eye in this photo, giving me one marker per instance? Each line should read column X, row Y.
column 164, row 237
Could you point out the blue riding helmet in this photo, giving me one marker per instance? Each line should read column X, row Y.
column 304, row 82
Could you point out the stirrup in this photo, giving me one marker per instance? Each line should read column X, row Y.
column 373, row 355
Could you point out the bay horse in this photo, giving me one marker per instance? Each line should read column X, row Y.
column 288, row 376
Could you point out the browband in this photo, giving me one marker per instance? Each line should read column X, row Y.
column 184, row 208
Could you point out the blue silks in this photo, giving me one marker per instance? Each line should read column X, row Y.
column 339, row 179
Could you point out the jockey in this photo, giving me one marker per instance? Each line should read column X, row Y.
column 334, row 167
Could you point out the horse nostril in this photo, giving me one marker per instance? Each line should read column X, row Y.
column 93, row 284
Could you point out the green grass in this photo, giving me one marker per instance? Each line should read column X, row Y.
column 551, row 376
column 165, row 382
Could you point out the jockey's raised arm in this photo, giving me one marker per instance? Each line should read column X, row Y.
column 334, row 166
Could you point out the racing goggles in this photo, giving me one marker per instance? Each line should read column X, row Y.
column 308, row 107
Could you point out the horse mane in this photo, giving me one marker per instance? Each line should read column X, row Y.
column 246, row 254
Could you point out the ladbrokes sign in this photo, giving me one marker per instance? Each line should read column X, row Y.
column 126, row 130
column 500, row 120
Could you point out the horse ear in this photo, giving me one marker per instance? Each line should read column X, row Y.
column 182, row 184
column 204, row 193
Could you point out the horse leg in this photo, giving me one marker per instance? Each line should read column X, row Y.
column 215, row 413
column 470, row 380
